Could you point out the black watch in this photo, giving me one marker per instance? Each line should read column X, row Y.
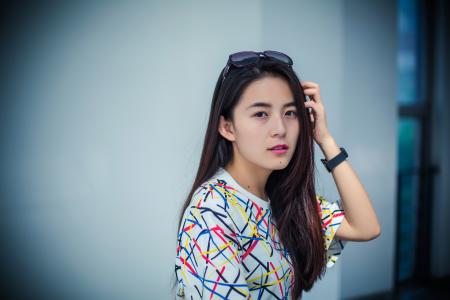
column 330, row 165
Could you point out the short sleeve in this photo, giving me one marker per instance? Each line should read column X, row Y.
column 332, row 216
column 208, row 264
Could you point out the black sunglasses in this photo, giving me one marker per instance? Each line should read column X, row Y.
column 248, row 58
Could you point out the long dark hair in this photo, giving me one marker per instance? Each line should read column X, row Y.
column 291, row 190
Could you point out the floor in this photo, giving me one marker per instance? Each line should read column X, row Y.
column 438, row 289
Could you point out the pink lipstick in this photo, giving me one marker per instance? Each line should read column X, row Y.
column 279, row 149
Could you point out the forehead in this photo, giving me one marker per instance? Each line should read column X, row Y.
column 270, row 89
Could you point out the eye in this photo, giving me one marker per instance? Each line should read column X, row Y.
column 294, row 113
column 258, row 114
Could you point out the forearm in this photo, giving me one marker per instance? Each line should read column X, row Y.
column 356, row 203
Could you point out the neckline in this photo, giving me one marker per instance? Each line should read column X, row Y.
column 261, row 202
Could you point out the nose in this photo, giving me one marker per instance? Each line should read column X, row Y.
column 278, row 127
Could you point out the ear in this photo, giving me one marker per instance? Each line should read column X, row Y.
column 226, row 129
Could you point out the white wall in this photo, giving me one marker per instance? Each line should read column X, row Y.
column 369, row 130
column 316, row 48
column 104, row 115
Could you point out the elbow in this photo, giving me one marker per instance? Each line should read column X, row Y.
column 376, row 232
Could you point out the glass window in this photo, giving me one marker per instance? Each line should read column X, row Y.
column 409, row 140
column 407, row 55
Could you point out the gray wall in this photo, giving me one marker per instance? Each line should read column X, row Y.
column 349, row 48
column 102, row 122
column 369, row 129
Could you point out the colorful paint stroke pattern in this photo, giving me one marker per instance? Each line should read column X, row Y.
column 228, row 245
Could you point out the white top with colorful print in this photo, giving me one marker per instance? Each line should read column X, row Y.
column 228, row 245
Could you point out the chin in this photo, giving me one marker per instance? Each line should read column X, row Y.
column 279, row 166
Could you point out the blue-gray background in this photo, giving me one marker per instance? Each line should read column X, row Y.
column 103, row 111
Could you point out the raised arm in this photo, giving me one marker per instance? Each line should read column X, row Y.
column 360, row 222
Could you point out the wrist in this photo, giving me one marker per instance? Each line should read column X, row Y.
column 336, row 160
column 326, row 140
column 329, row 148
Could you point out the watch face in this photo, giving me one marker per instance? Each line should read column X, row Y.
column 345, row 152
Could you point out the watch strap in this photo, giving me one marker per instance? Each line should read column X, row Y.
column 332, row 163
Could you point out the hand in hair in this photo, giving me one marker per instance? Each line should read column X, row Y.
column 317, row 116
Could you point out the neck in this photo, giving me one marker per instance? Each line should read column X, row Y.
column 249, row 177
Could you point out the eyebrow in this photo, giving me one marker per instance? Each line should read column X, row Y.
column 265, row 104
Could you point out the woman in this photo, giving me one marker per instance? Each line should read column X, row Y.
column 252, row 226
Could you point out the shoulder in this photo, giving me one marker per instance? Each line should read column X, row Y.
column 321, row 200
column 323, row 205
column 209, row 208
column 331, row 213
column 211, row 195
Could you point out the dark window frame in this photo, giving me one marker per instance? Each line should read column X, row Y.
column 422, row 111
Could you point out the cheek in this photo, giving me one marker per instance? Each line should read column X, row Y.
column 294, row 132
column 296, row 128
column 250, row 138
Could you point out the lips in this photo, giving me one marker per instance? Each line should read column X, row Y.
column 279, row 147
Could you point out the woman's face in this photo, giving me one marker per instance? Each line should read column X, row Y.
column 264, row 117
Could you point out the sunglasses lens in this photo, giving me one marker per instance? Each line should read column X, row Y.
column 279, row 56
column 243, row 58
column 246, row 58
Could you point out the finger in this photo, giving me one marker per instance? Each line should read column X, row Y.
column 309, row 83
column 310, row 92
column 310, row 106
column 313, row 94
column 306, row 83
column 316, row 106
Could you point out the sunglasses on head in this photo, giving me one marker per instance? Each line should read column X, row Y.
column 249, row 58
